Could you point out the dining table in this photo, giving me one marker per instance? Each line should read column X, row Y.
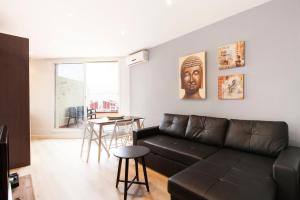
column 96, row 136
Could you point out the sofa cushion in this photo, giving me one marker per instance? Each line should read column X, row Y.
column 246, row 162
column 226, row 174
column 208, row 130
column 174, row 125
column 262, row 137
column 183, row 151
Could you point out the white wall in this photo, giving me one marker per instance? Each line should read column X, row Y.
column 124, row 88
column 42, row 95
column 272, row 36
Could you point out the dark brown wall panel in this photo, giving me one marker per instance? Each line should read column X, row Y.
column 14, row 100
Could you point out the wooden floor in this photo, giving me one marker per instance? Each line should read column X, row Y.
column 58, row 173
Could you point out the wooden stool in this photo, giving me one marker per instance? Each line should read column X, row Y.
column 132, row 152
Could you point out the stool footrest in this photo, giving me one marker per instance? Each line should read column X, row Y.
column 133, row 182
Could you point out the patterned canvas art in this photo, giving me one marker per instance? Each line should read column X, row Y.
column 192, row 71
column 231, row 87
column 231, row 55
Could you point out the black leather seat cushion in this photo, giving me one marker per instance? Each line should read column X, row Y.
column 173, row 124
column 246, row 162
column 208, row 130
column 184, row 151
column 226, row 174
column 263, row 137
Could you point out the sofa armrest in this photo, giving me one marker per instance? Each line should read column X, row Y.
column 286, row 172
column 143, row 133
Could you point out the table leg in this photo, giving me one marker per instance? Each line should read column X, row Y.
column 91, row 127
column 136, row 169
column 119, row 171
column 138, row 124
column 84, row 137
column 99, row 142
column 145, row 173
column 126, row 179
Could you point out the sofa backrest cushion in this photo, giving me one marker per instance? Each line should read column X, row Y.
column 262, row 137
column 208, row 130
column 173, row 124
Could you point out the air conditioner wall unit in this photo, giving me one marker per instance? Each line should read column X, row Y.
column 138, row 57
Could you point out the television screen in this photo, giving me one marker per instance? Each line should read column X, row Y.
column 5, row 191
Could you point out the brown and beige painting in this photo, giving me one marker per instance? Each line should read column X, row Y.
column 192, row 73
column 231, row 87
column 231, row 55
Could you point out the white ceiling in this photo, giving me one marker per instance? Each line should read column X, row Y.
column 100, row 28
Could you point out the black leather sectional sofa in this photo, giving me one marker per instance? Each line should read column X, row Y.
column 219, row 159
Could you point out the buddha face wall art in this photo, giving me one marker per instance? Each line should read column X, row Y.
column 192, row 73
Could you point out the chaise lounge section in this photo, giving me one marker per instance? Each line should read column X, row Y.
column 217, row 159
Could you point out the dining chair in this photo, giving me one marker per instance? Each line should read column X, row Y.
column 71, row 113
column 91, row 113
column 80, row 112
column 121, row 133
column 141, row 121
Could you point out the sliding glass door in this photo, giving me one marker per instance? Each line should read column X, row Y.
column 85, row 88
column 69, row 95
column 102, row 86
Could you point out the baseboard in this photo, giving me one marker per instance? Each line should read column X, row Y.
column 57, row 136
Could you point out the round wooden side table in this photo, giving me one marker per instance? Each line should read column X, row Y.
column 132, row 152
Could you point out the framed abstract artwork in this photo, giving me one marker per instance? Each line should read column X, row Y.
column 231, row 87
column 231, row 55
column 192, row 76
